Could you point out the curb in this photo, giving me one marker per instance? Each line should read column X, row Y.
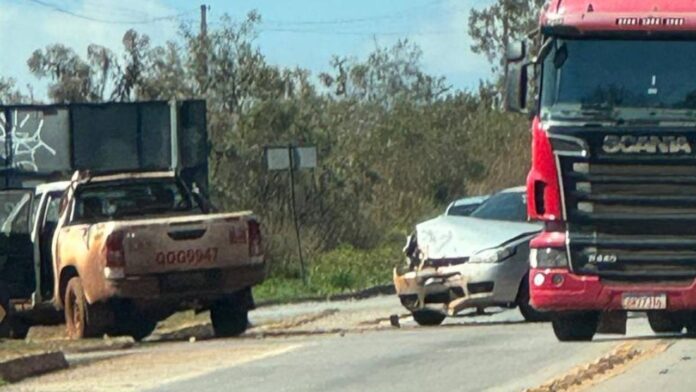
column 17, row 369
column 370, row 292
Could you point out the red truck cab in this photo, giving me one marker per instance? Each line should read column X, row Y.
column 613, row 171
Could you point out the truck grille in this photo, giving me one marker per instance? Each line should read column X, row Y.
column 629, row 216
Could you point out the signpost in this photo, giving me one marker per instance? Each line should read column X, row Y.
column 292, row 158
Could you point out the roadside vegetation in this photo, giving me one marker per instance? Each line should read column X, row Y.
column 395, row 144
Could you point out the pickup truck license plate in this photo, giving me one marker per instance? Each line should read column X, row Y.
column 644, row 302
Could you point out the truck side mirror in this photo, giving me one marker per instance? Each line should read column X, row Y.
column 516, row 86
column 516, row 51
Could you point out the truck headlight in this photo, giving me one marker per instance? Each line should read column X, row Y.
column 548, row 258
column 492, row 255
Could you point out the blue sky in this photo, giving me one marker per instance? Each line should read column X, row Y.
column 303, row 33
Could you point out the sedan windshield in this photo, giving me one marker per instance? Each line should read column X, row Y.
column 613, row 79
column 505, row 206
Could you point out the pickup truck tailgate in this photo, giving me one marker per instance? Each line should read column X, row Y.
column 187, row 243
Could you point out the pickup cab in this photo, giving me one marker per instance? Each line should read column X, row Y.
column 119, row 252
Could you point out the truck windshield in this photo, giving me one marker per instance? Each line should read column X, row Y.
column 135, row 198
column 619, row 79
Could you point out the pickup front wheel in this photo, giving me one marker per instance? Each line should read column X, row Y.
column 228, row 318
column 82, row 320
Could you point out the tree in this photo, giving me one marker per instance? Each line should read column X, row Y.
column 72, row 78
column 387, row 74
column 130, row 78
column 504, row 21
column 9, row 94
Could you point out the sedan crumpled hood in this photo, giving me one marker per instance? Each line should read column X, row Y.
column 455, row 237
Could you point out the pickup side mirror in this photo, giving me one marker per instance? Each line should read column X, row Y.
column 516, row 86
column 516, row 51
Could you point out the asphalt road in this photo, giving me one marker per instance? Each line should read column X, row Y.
column 506, row 357
column 496, row 352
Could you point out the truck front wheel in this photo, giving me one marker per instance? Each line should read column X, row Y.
column 228, row 318
column 575, row 327
column 664, row 322
column 82, row 320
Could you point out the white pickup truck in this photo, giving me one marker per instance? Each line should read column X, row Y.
column 120, row 252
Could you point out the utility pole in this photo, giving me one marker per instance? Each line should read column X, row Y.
column 203, row 79
column 293, row 205
column 204, row 20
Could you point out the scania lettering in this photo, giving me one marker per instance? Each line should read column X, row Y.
column 613, row 172
column 646, row 144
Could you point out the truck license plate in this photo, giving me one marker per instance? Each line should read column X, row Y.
column 644, row 302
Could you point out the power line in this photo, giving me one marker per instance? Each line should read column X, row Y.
column 397, row 15
column 107, row 21
column 362, row 33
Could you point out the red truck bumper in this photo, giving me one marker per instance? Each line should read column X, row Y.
column 561, row 290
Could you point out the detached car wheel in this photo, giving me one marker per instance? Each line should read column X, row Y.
column 528, row 312
column 575, row 327
column 82, row 320
column 427, row 317
column 665, row 322
column 229, row 318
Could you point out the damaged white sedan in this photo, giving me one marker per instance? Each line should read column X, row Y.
column 454, row 263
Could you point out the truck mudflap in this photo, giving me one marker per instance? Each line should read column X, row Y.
column 561, row 290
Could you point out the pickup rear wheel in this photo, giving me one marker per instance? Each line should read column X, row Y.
column 228, row 318
column 140, row 329
column 82, row 320
column 575, row 327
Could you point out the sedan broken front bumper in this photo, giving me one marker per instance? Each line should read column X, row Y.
column 458, row 287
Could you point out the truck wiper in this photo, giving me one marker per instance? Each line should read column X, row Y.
column 598, row 113
column 596, row 109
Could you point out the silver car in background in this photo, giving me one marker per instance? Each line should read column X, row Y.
column 465, row 206
column 455, row 262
